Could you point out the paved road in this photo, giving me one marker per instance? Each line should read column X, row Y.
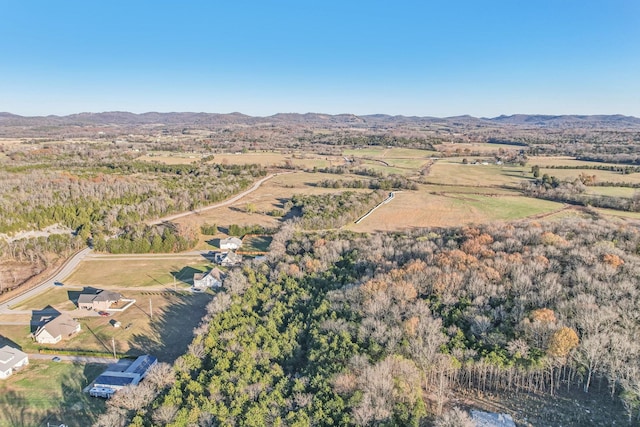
column 73, row 262
column 62, row 273
column 217, row 205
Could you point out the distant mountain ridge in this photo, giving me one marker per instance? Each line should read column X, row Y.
column 212, row 119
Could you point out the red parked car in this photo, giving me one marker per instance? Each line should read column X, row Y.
column 103, row 313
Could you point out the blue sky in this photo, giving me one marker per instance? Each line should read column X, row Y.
column 437, row 58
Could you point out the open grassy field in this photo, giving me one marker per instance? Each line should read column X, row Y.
column 626, row 192
column 384, row 153
column 477, row 147
column 423, row 209
column 57, row 297
column 601, row 176
column 453, row 172
column 563, row 161
column 271, row 195
column 256, row 243
column 135, row 272
column 266, row 159
column 50, row 392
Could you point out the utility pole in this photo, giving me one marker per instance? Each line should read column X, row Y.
column 174, row 284
column 113, row 344
column 150, row 309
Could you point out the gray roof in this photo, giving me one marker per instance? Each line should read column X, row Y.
column 9, row 357
column 99, row 295
column 62, row 325
column 233, row 240
column 491, row 419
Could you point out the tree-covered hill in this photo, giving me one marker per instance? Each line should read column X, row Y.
column 338, row 329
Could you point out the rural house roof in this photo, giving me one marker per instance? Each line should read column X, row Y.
column 231, row 240
column 99, row 295
column 9, row 357
column 61, row 326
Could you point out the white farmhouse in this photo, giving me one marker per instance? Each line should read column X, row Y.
column 11, row 359
column 232, row 243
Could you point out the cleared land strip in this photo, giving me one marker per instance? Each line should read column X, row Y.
column 384, row 202
column 217, row 205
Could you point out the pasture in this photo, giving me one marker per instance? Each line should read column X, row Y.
column 423, row 209
column 136, row 271
column 51, row 392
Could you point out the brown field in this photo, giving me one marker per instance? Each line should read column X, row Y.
column 271, row 195
column 453, row 172
column 562, row 161
column 266, row 159
column 423, row 209
column 477, row 147
column 601, row 176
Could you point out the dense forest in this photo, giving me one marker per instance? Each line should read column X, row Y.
column 344, row 329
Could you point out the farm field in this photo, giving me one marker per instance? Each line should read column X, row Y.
column 136, row 271
column 601, row 175
column 564, row 161
column 453, row 172
column 477, row 147
column 267, row 159
column 51, row 392
column 625, row 192
column 422, row 209
column 390, row 153
column 271, row 195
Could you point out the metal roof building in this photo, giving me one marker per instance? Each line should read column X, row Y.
column 113, row 379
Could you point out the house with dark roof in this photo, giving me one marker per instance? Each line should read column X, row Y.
column 56, row 329
column 98, row 299
column 210, row 279
column 115, row 378
column 11, row 359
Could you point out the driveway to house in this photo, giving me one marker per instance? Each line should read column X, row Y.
column 62, row 273
column 217, row 205
column 68, row 358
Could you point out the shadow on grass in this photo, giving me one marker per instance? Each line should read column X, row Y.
column 185, row 275
column 6, row 341
column 172, row 329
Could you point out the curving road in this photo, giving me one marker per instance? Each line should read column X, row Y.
column 66, row 269
column 73, row 262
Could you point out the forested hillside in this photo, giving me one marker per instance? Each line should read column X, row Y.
column 340, row 329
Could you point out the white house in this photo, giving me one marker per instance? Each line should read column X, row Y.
column 227, row 259
column 56, row 329
column 11, row 359
column 230, row 243
column 211, row 279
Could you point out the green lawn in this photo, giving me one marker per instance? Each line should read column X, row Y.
column 256, row 244
column 508, row 208
column 453, row 172
column 123, row 273
column 613, row 191
column 49, row 391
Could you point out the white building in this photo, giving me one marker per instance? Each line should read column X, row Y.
column 211, row 279
column 230, row 243
column 53, row 331
column 11, row 359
